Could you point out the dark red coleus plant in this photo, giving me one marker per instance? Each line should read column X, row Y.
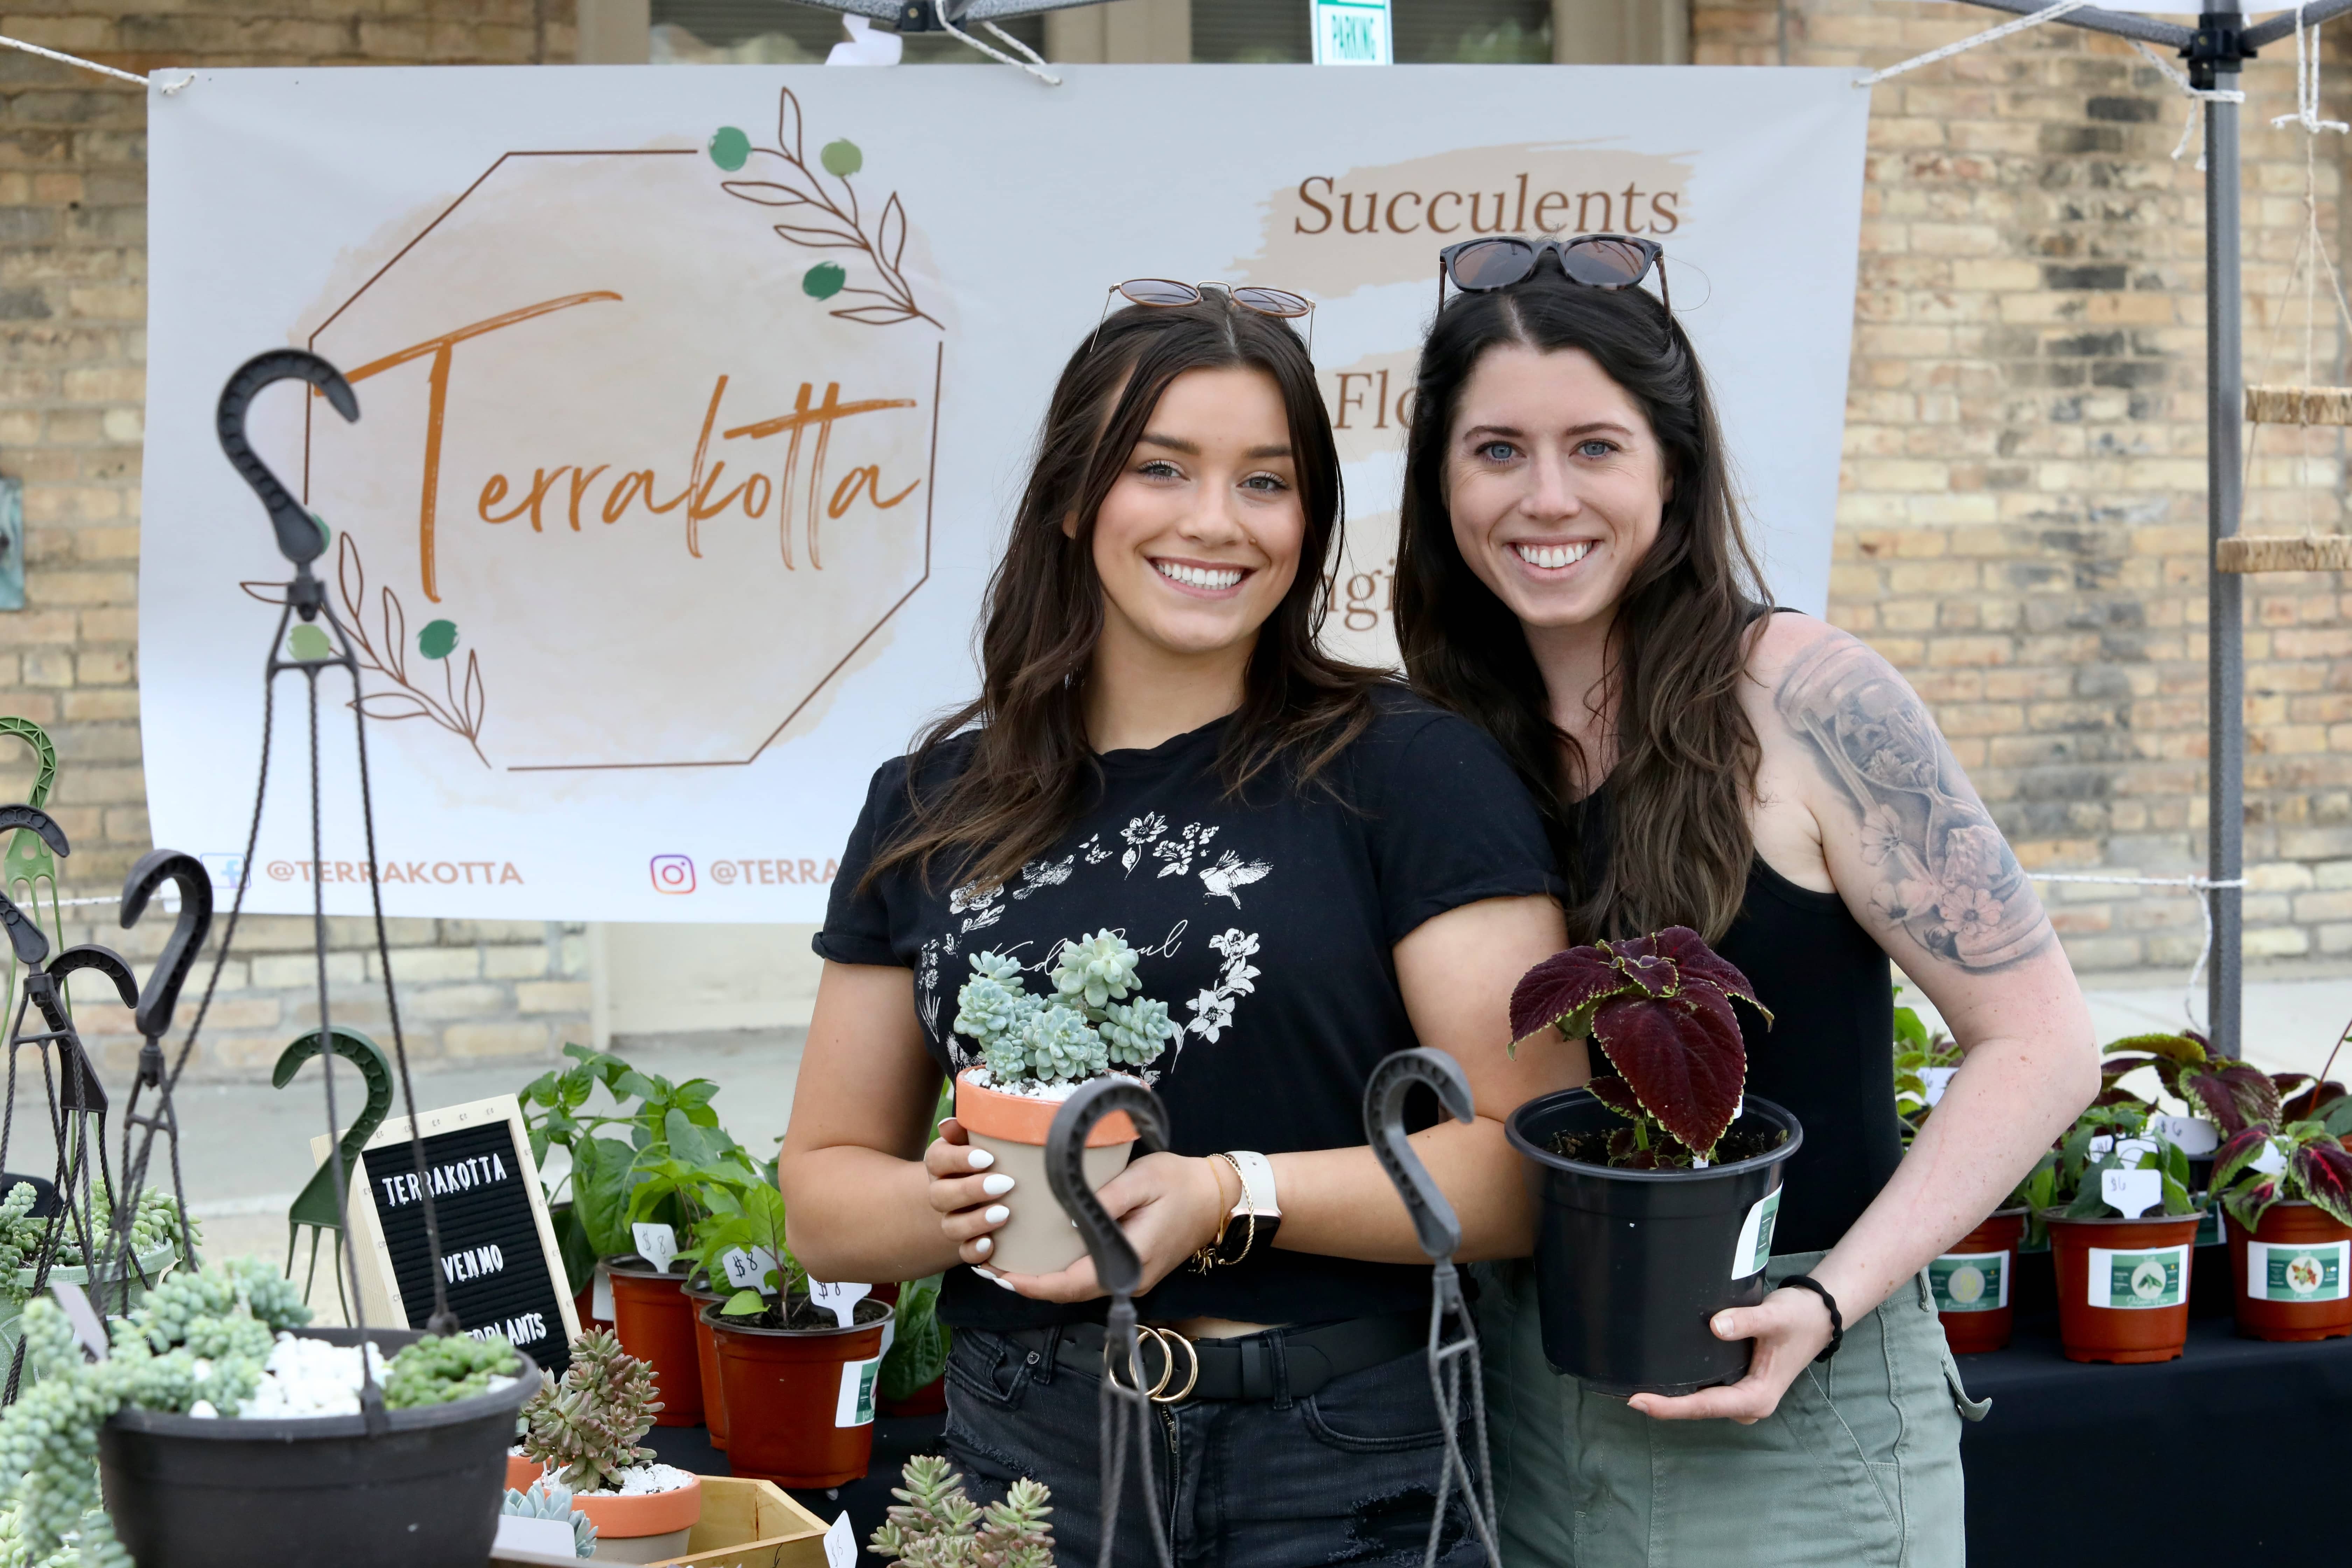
column 2315, row 1167
column 1659, row 1007
column 2232, row 1094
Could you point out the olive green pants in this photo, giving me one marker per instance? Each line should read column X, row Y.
column 1860, row 1465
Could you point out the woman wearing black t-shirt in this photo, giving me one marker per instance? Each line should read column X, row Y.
column 1572, row 574
column 1318, row 869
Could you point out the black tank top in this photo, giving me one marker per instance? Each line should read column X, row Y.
column 1829, row 1053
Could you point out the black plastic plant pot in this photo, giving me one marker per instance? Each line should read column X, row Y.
column 1631, row 1264
column 190, row 1493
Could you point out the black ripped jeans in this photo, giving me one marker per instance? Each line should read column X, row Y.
column 1347, row 1475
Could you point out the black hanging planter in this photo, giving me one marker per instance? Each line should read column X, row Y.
column 191, row 1493
column 1631, row 1264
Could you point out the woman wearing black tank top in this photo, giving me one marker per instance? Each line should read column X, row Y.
column 1572, row 575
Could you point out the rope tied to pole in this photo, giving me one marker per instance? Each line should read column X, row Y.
column 2206, row 887
column 167, row 88
column 2047, row 14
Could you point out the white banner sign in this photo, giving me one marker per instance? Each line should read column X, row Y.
column 694, row 400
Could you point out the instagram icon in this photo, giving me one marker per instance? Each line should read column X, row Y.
column 673, row 874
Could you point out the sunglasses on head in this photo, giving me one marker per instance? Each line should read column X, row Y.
column 1167, row 292
column 1595, row 261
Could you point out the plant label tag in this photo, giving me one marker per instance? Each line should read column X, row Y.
column 2138, row 1281
column 546, row 1539
column 749, row 1270
column 840, row 1540
column 88, row 1329
column 1936, row 1081
column 2132, row 1194
column 2192, row 1135
column 2131, row 1149
column 600, row 1296
column 2298, row 1271
column 1755, row 1248
column 2270, row 1161
column 856, row 1405
column 840, row 1298
column 1970, row 1281
column 2102, row 1143
column 657, row 1243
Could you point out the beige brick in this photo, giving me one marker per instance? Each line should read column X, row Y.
column 552, row 997
column 515, row 1039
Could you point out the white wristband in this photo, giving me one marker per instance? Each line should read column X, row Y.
column 1257, row 1184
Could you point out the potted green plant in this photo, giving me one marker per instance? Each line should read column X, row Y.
column 1924, row 1061
column 2287, row 1193
column 1973, row 1280
column 935, row 1525
column 583, row 1433
column 1035, row 1052
column 1660, row 1181
column 798, row 1381
column 158, row 1241
column 673, row 1183
column 218, row 1427
column 913, row 1381
column 2122, row 1229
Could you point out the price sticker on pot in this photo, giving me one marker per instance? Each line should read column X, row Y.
column 2192, row 1135
column 840, row 1298
column 2132, row 1194
column 1755, row 1247
column 748, row 1269
column 657, row 1243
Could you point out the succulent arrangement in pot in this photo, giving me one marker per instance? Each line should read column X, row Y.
column 2123, row 1228
column 799, row 1375
column 1035, row 1052
column 2287, row 1194
column 935, row 1525
column 1661, row 1180
column 217, row 1425
column 159, row 1239
column 582, row 1434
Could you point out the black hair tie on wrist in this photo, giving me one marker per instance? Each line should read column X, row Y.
column 1837, row 1320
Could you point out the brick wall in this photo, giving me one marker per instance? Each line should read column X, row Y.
column 72, row 346
column 2022, row 528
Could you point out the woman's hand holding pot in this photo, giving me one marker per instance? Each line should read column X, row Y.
column 1791, row 1327
column 965, row 1192
column 1170, row 1206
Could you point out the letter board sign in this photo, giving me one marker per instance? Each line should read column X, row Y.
column 499, row 1264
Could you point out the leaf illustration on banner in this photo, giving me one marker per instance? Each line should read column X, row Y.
column 792, row 183
column 388, row 657
column 438, row 640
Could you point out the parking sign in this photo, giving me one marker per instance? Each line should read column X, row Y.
column 1351, row 33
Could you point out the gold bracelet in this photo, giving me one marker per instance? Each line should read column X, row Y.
column 1209, row 1256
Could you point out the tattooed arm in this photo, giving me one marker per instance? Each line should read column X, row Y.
column 1858, row 794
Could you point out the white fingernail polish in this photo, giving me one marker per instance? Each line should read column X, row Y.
column 980, row 1159
column 984, row 1246
column 996, row 1187
column 1003, row 1282
column 996, row 1214
column 985, row 1274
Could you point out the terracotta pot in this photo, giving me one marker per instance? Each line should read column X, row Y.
column 1039, row 1238
column 2123, row 1285
column 706, row 1357
column 2301, row 1286
column 523, row 1474
column 1972, row 1283
column 656, row 1323
column 648, row 1527
column 800, row 1402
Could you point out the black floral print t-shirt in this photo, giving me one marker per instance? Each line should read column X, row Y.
column 1265, row 923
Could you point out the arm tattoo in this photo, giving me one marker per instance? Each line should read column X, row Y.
column 1942, row 872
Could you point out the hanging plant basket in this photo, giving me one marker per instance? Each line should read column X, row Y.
column 186, row 1493
column 153, row 1264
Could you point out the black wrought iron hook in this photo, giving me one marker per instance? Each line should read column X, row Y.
column 1434, row 1221
column 24, row 936
column 157, row 866
column 299, row 538
column 1116, row 1267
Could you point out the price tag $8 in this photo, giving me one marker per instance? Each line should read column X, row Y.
column 840, row 1298
column 753, row 1270
column 657, row 1243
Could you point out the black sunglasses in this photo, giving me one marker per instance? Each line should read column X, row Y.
column 1595, row 261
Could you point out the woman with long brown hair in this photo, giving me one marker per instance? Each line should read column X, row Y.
column 1317, row 868
column 1572, row 575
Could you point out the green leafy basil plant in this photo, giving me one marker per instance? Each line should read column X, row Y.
column 1087, row 1027
column 2108, row 1138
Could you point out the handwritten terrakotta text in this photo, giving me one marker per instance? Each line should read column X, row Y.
column 567, row 487
column 1517, row 208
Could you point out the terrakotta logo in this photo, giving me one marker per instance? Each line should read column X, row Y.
column 674, row 874
column 440, row 873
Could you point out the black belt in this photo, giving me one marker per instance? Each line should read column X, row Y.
column 1241, row 1368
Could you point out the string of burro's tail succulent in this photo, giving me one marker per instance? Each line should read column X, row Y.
column 935, row 1525
column 585, row 1429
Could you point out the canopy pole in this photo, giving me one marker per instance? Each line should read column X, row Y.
column 2216, row 52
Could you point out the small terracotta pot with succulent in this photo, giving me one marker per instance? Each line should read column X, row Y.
column 582, row 1433
column 1661, row 1179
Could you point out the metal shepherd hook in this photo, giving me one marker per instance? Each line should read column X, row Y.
column 1440, row 1233
column 1126, row 1407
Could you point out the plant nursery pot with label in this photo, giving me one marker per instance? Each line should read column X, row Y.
column 191, row 1493
column 2293, row 1274
column 651, row 1527
column 800, row 1402
column 654, row 1321
column 1631, row 1265
column 706, row 1357
column 2123, row 1285
column 1039, row 1238
column 1972, row 1283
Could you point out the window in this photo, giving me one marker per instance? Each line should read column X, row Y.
column 1427, row 32
column 777, row 33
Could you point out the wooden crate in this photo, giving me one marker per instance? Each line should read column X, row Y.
column 753, row 1525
